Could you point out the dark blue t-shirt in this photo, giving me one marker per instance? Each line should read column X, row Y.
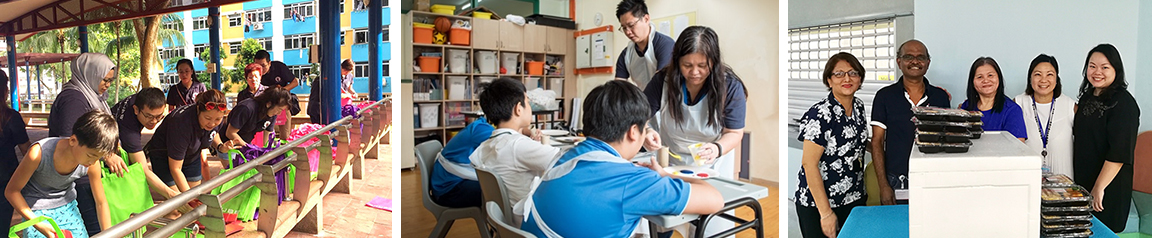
column 66, row 109
column 1010, row 118
column 128, row 124
column 178, row 137
column 661, row 45
column 247, row 117
column 734, row 107
column 892, row 110
column 14, row 134
column 457, row 150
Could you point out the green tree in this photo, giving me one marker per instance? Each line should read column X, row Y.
column 248, row 49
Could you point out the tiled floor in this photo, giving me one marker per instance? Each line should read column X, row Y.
column 345, row 215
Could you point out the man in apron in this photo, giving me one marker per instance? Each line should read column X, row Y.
column 594, row 191
column 649, row 51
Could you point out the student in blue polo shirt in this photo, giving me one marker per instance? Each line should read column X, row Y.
column 454, row 181
column 594, row 191
column 892, row 129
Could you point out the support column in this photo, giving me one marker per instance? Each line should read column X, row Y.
column 83, row 30
column 329, row 60
column 28, row 85
column 12, row 73
column 375, row 76
column 214, row 44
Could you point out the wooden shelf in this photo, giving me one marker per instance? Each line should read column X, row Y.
column 454, row 127
column 428, row 129
column 428, row 101
column 433, row 14
column 455, row 74
column 461, row 100
column 423, row 73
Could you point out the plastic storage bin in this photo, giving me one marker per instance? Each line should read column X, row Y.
column 534, row 67
column 443, row 9
column 429, row 64
column 460, row 36
column 486, row 60
column 429, row 115
column 482, row 15
column 422, row 33
column 457, row 61
column 510, row 62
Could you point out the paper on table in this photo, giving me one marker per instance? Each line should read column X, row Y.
column 380, row 203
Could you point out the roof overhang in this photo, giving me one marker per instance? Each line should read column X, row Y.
column 26, row 17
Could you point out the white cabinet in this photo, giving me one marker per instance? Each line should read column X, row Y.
column 993, row 190
column 594, row 50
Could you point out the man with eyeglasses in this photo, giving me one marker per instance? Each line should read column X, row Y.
column 144, row 109
column 649, row 51
column 892, row 129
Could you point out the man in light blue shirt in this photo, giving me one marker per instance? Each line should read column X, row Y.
column 594, row 191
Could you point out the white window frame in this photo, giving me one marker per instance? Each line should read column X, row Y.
column 356, row 36
column 260, row 15
column 306, row 9
column 385, row 31
column 342, row 6
column 342, row 37
column 234, row 20
column 234, row 47
column 200, row 23
column 266, row 42
column 175, row 25
column 299, row 71
column 360, row 69
column 871, row 41
column 199, row 49
column 299, row 41
column 384, row 68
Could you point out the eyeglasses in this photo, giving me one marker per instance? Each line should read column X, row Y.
column 841, row 74
column 917, row 57
column 156, row 117
column 630, row 26
column 216, row 106
column 108, row 80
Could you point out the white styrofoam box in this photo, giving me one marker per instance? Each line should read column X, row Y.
column 510, row 61
column 457, row 87
column 429, row 115
column 993, row 190
column 531, row 83
column 486, row 60
column 457, row 61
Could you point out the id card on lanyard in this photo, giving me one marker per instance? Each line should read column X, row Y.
column 1044, row 128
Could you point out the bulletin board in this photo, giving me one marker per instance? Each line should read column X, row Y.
column 673, row 25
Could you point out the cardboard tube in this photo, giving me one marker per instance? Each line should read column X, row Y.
column 662, row 156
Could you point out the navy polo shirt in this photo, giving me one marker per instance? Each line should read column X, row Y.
column 178, row 137
column 66, row 109
column 457, row 150
column 892, row 110
column 662, row 46
column 128, row 124
column 14, row 134
column 247, row 117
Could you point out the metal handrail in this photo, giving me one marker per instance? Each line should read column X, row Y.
column 144, row 218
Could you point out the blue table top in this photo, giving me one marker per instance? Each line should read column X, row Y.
column 883, row 221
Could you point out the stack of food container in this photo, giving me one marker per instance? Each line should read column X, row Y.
column 1064, row 208
column 946, row 130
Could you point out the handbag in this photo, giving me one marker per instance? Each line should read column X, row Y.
column 131, row 191
column 30, row 223
column 245, row 204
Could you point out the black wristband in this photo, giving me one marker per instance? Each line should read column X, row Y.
column 719, row 149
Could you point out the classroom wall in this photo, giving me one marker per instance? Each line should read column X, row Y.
column 554, row 7
column 748, row 31
column 824, row 12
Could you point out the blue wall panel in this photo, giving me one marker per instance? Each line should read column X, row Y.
column 199, row 12
column 292, row 27
column 360, row 52
column 360, row 18
column 200, row 37
column 296, row 57
column 286, row 2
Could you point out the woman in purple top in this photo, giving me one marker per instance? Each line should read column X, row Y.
column 986, row 94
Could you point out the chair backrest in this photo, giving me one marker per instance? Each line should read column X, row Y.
column 1142, row 161
column 495, row 216
column 492, row 187
column 425, row 158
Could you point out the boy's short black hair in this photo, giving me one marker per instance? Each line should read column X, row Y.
column 611, row 109
column 637, row 7
column 150, row 98
column 500, row 98
column 97, row 130
column 262, row 55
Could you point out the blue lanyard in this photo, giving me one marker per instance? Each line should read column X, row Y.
column 1046, row 128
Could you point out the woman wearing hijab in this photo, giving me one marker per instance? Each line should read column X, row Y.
column 185, row 92
column 92, row 74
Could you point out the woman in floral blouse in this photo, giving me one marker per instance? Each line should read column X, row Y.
column 835, row 135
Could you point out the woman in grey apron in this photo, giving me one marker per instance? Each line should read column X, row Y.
column 698, row 99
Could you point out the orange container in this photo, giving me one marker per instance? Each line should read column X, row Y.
column 422, row 33
column 429, row 64
column 460, row 36
column 535, row 67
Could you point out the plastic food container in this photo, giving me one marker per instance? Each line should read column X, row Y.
column 1073, row 196
column 1047, row 218
column 1057, row 181
column 945, row 114
column 941, row 126
column 936, row 147
column 1075, row 233
column 1066, row 225
column 943, row 137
